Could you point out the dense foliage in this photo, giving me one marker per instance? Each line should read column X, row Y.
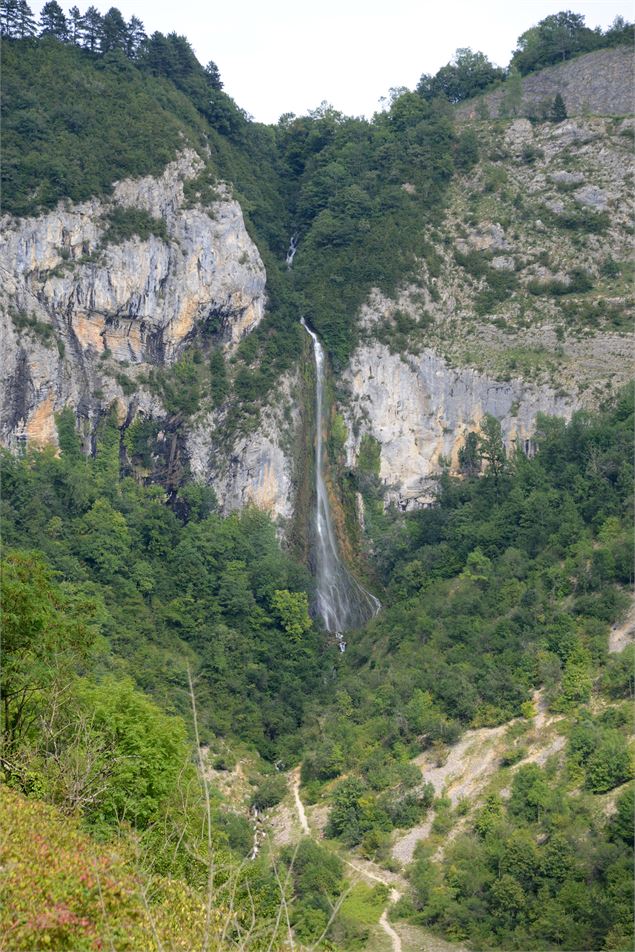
column 507, row 584
column 167, row 589
column 362, row 193
column 542, row 870
column 562, row 35
column 121, row 600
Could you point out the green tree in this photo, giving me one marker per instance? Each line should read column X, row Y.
column 556, row 38
column 91, row 29
column 103, row 539
column 53, row 22
column 576, row 680
column 292, row 608
column 469, row 456
column 610, row 765
column 530, row 794
column 466, row 75
column 512, row 99
column 213, row 75
column 9, row 17
column 346, row 812
column 114, row 32
column 135, row 37
column 24, row 21
column 44, row 633
column 148, row 749
column 492, row 447
column 219, row 384
column 75, row 21
column 558, row 111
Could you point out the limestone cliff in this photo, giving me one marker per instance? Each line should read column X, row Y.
column 258, row 468
column 84, row 317
column 419, row 410
column 521, row 306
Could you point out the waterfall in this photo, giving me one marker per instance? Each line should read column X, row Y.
column 342, row 603
column 293, row 247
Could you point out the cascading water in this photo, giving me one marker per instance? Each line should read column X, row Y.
column 293, row 247
column 342, row 602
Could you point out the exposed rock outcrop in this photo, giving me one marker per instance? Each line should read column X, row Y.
column 419, row 410
column 83, row 318
column 258, row 468
column 598, row 83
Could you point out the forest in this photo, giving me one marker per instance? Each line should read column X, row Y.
column 508, row 585
column 154, row 647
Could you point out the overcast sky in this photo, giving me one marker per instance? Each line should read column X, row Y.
column 278, row 56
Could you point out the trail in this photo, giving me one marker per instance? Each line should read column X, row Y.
column 386, row 926
column 295, row 786
column 395, row 895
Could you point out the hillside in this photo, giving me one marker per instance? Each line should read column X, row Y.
column 193, row 753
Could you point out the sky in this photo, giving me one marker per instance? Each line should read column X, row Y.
column 279, row 56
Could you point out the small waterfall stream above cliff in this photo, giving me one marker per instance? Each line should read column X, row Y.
column 342, row 603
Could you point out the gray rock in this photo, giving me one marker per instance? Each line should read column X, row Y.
column 137, row 303
column 566, row 178
column 420, row 410
column 591, row 196
column 503, row 263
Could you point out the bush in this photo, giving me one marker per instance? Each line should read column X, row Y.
column 270, row 792
column 610, row 765
column 124, row 223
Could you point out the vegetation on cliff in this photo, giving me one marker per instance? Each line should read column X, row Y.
column 505, row 587
column 142, row 630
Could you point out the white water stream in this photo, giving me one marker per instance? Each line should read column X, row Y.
column 342, row 603
column 293, row 247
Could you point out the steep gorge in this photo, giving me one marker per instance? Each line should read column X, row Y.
column 90, row 317
column 451, row 282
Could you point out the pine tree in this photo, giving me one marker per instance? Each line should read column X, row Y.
column 114, row 32
column 469, row 456
column 91, row 29
column 9, row 18
column 25, row 25
column 53, row 22
column 75, row 22
column 136, row 37
column 558, row 109
column 213, row 75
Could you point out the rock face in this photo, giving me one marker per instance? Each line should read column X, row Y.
column 598, row 83
column 82, row 318
column 258, row 469
column 419, row 410
column 86, row 321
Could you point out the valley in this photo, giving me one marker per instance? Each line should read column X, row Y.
column 316, row 460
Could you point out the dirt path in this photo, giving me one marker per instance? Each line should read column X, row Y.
column 620, row 636
column 386, row 926
column 295, row 786
column 387, row 879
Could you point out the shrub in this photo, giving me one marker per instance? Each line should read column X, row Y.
column 270, row 792
column 125, row 222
